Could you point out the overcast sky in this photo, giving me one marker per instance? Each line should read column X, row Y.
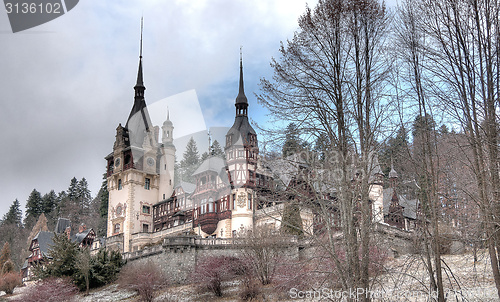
column 67, row 84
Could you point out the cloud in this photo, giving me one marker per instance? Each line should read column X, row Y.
column 66, row 84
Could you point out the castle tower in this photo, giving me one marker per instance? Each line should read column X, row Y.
column 376, row 193
column 133, row 173
column 241, row 150
column 167, row 159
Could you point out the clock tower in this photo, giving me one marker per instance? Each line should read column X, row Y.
column 241, row 151
column 139, row 173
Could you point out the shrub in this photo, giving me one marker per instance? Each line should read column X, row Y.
column 7, row 267
column 9, row 281
column 211, row 272
column 250, row 289
column 50, row 290
column 145, row 280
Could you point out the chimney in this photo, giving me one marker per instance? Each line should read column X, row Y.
column 82, row 228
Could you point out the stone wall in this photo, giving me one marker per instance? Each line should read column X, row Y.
column 178, row 256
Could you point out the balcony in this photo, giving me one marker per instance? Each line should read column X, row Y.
column 208, row 222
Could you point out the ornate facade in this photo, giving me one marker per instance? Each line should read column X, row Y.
column 231, row 193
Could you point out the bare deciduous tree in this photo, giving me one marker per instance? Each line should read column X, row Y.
column 328, row 81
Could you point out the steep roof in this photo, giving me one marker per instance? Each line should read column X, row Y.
column 186, row 186
column 44, row 241
column 79, row 237
column 214, row 164
column 62, row 224
column 409, row 206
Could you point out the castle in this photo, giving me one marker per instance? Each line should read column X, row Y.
column 230, row 194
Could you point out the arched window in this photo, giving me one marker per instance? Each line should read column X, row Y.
column 117, row 228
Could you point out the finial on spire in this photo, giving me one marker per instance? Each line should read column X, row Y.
column 142, row 24
column 241, row 100
column 209, row 142
column 168, row 114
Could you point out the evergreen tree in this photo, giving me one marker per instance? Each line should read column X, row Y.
column 292, row 141
column 72, row 191
column 204, row 156
column 103, row 198
column 14, row 215
column 216, row 150
column 34, row 207
column 83, row 197
column 190, row 161
column 49, row 204
column 322, row 146
column 63, row 253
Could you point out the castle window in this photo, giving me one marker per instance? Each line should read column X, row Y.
column 249, row 201
column 234, row 201
column 163, row 196
column 147, row 183
column 116, row 229
column 145, row 228
column 210, row 205
column 146, row 210
column 119, row 184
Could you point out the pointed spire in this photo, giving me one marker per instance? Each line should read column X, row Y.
column 241, row 98
column 393, row 174
column 139, row 101
column 139, row 86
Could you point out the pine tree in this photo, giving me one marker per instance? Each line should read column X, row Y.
column 204, row 156
column 190, row 161
column 322, row 146
column 63, row 253
column 72, row 191
column 103, row 197
column 34, row 207
column 83, row 194
column 292, row 141
column 14, row 215
column 49, row 204
column 216, row 150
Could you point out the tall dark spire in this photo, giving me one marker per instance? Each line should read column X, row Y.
column 139, row 108
column 139, row 86
column 241, row 100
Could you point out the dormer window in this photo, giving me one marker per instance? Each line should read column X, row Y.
column 147, row 183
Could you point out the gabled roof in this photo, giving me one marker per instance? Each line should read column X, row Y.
column 62, row 224
column 186, row 186
column 45, row 242
column 214, row 164
column 79, row 237
column 409, row 206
